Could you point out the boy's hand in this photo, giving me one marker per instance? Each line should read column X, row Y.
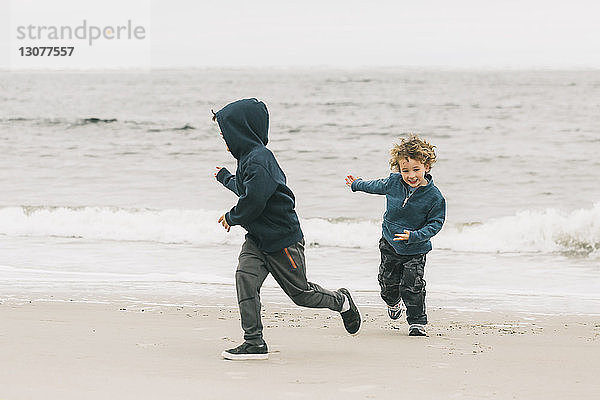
column 223, row 222
column 217, row 171
column 350, row 179
column 402, row 236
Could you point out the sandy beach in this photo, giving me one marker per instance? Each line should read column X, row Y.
column 117, row 282
column 70, row 350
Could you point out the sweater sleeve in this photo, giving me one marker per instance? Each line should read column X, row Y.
column 259, row 187
column 435, row 220
column 376, row 186
column 228, row 180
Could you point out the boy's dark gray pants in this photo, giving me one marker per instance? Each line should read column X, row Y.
column 401, row 277
column 289, row 270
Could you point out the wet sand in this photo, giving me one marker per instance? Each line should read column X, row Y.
column 68, row 350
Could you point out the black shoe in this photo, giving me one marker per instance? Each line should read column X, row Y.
column 247, row 351
column 351, row 318
column 416, row 330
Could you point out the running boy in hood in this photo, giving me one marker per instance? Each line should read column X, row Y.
column 274, row 243
column 415, row 212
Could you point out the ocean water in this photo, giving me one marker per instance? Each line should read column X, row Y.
column 108, row 189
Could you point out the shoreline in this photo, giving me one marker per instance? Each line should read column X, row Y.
column 64, row 350
column 224, row 295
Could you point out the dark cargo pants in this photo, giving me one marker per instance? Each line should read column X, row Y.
column 289, row 270
column 401, row 277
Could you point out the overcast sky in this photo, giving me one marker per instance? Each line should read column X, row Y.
column 348, row 33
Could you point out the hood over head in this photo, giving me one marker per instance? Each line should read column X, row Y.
column 244, row 125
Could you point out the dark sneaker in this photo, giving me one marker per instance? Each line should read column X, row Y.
column 351, row 318
column 247, row 351
column 396, row 311
column 417, row 330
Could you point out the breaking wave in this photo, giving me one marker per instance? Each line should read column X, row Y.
column 573, row 233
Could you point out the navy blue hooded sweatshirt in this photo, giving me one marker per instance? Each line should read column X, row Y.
column 265, row 207
column 422, row 214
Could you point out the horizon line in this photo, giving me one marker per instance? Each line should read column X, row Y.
column 309, row 67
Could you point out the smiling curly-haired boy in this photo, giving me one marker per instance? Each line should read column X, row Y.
column 415, row 212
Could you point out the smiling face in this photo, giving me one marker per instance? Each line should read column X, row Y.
column 413, row 172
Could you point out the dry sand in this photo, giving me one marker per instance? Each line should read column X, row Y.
column 54, row 350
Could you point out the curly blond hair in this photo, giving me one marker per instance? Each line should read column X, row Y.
column 412, row 147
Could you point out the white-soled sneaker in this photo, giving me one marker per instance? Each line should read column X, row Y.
column 396, row 311
column 247, row 351
column 352, row 319
column 416, row 330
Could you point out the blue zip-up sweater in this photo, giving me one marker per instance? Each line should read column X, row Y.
column 423, row 214
column 265, row 207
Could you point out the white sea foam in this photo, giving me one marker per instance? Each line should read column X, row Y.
column 576, row 232
column 48, row 275
column 111, row 223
